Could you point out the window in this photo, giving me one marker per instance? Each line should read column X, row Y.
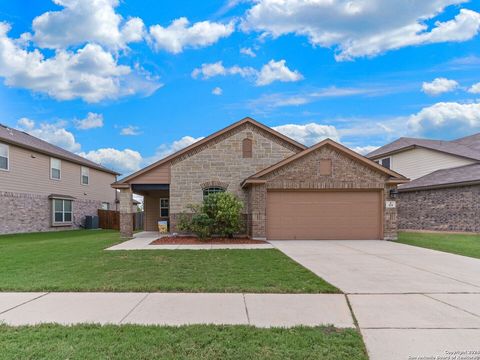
column 247, row 148
column 55, row 168
column 164, row 207
column 212, row 190
column 385, row 162
column 105, row 206
column 85, row 175
column 62, row 211
column 4, row 157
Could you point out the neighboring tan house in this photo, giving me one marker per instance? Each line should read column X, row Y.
column 444, row 194
column 44, row 187
column 289, row 191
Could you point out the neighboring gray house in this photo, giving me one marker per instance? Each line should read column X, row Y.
column 44, row 187
column 444, row 194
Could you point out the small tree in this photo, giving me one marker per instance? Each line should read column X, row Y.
column 219, row 214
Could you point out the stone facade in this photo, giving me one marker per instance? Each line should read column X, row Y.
column 304, row 174
column 126, row 218
column 22, row 212
column 447, row 209
column 221, row 162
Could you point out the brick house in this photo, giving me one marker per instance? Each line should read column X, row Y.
column 44, row 187
column 289, row 191
column 444, row 194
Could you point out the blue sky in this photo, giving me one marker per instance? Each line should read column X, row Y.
column 126, row 82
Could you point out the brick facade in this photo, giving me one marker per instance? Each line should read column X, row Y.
column 22, row 212
column 447, row 209
column 221, row 162
column 304, row 174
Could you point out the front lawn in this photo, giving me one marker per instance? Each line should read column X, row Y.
column 461, row 244
column 77, row 261
column 186, row 342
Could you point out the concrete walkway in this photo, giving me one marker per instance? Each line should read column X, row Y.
column 409, row 302
column 262, row 310
column 142, row 240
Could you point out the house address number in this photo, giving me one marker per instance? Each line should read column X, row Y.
column 390, row 204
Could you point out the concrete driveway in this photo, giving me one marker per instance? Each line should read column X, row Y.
column 409, row 302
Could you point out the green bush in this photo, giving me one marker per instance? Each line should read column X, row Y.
column 219, row 214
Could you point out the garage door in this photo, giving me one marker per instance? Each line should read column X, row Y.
column 323, row 215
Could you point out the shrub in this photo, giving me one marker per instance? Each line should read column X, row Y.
column 219, row 214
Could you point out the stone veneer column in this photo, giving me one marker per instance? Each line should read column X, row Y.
column 126, row 217
column 390, row 231
column 258, row 208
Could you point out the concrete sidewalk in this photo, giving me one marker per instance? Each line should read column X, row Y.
column 142, row 240
column 262, row 310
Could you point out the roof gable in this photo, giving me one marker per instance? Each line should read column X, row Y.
column 395, row 177
column 208, row 139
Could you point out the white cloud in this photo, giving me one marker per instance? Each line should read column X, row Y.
column 89, row 73
column 26, row 123
column 55, row 133
column 270, row 72
column 130, row 131
column 309, row 134
column 361, row 28
column 275, row 100
column 123, row 161
column 180, row 35
column 248, row 52
column 475, row 88
column 439, row 86
column 93, row 120
column 82, row 21
column 277, row 71
column 168, row 149
column 217, row 91
column 217, row 69
column 452, row 117
column 364, row 150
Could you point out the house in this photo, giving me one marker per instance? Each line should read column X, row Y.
column 44, row 187
column 289, row 191
column 444, row 194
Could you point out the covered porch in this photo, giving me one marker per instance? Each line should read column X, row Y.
column 156, row 206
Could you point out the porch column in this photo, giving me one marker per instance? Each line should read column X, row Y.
column 258, row 208
column 126, row 217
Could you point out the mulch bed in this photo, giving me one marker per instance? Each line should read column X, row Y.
column 192, row 240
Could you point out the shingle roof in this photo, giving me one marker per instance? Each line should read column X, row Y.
column 468, row 148
column 24, row 140
column 446, row 177
column 472, row 141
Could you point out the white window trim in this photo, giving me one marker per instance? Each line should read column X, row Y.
column 62, row 223
column 60, row 169
column 168, row 207
column 108, row 205
column 81, row 175
column 8, row 158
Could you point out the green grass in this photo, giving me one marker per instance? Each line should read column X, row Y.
column 76, row 261
column 461, row 244
column 186, row 342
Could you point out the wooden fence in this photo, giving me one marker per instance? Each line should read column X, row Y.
column 110, row 219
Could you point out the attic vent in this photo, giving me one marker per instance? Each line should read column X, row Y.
column 325, row 167
column 247, row 148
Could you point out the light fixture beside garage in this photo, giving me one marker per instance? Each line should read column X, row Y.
column 393, row 193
